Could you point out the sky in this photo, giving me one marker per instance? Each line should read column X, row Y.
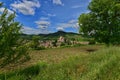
column 47, row 16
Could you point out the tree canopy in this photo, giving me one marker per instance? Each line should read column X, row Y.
column 102, row 22
column 11, row 47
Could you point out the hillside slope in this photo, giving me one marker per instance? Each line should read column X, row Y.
column 54, row 36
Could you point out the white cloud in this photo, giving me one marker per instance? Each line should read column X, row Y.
column 26, row 7
column 58, row 2
column 72, row 21
column 70, row 24
column 60, row 28
column 51, row 15
column 43, row 24
column 89, row 1
column 44, row 18
column 76, row 6
column 29, row 30
column 87, row 11
column 9, row 11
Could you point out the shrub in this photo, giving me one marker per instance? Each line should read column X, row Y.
column 40, row 48
column 92, row 42
column 62, row 44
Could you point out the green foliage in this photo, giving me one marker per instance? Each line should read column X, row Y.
column 40, row 48
column 35, row 42
column 11, row 47
column 62, row 44
column 54, row 43
column 1, row 4
column 77, row 45
column 92, row 42
column 102, row 22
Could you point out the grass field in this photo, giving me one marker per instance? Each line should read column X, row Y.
column 75, row 63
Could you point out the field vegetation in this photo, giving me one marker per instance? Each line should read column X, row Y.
column 77, row 64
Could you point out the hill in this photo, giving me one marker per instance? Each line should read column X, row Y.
column 53, row 36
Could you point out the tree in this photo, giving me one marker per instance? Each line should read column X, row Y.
column 11, row 47
column 54, row 43
column 35, row 42
column 102, row 22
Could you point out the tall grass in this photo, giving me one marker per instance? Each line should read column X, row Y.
column 100, row 65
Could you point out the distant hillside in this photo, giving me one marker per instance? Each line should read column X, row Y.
column 52, row 36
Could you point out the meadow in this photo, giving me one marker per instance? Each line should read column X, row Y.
column 73, row 63
column 31, row 49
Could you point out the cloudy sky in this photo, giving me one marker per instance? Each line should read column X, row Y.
column 47, row 16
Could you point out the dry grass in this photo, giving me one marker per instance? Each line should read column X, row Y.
column 55, row 55
column 76, row 64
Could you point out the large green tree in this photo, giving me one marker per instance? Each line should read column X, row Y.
column 102, row 22
column 11, row 47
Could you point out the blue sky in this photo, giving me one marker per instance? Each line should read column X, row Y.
column 47, row 16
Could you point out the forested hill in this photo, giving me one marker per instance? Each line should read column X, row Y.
column 53, row 35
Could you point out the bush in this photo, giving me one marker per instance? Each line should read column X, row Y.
column 62, row 44
column 54, row 43
column 40, row 48
column 77, row 45
column 92, row 42
column 35, row 42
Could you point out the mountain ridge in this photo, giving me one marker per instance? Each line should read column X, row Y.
column 49, row 36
